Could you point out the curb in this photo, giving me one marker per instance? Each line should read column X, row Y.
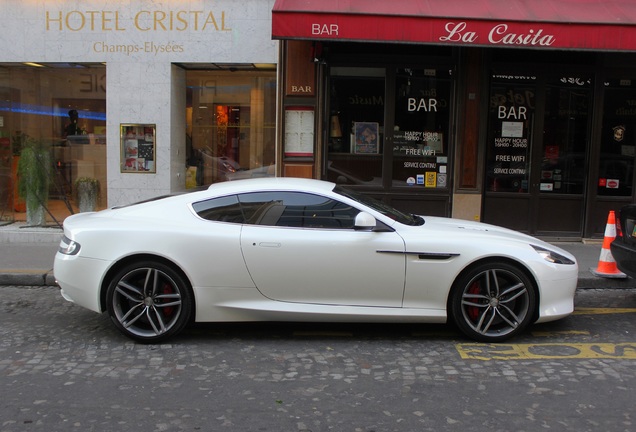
column 20, row 233
column 28, row 278
column 594, row 282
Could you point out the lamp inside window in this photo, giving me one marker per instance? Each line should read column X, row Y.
column 335, row 132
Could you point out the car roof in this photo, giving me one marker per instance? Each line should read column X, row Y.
column 230, row 188
column 271, row 183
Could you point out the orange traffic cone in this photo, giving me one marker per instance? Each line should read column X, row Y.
column 606, row 264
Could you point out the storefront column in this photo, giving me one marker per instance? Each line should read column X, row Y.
column 146, row 93
column 467, row 195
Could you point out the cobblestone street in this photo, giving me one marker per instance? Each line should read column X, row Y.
column 65, row 368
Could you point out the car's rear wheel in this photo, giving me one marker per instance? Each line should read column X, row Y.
column 493, row 302
column 149, row 301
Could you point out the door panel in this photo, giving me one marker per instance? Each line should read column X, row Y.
column 560, row 214
column 322, row 266
column 508, row 211
column 560, row 188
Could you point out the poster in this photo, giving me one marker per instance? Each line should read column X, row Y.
column 367, row 138
column 138, row 148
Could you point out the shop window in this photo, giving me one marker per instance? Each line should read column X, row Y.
column 618, row 139
column 231, row 119
column 565, row 136
column 512, row 158
column 62, row 110
column 511, row 111
column 421, row 138
column 356, row 126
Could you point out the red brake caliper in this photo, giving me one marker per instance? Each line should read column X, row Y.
column 167, row 289
column 473, row 311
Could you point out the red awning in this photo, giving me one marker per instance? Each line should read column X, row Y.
column 548, row 24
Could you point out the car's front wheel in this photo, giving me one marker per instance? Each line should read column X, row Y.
column 493, row 302
column 149, row 301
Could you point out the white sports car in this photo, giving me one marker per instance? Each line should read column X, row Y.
column 287, row 249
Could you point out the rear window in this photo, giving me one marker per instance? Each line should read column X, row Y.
column 223, row 209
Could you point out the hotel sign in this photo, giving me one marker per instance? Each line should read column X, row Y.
column 226, row 31
column 143, row 21
column 119, row 27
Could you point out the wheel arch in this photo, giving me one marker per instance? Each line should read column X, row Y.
column 497, row 259
column 123, row 262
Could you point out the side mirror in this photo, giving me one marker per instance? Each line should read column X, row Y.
column 364, row 221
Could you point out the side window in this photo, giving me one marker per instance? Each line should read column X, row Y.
column 297, row 210
column 224, row 209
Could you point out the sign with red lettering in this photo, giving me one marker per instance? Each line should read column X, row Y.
column 444, row 31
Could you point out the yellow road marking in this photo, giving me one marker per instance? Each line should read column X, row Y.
column 602, row 311
column 560, row 333
column 476, row 351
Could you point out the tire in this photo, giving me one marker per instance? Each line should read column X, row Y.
column 493, row 302
column 149, row 301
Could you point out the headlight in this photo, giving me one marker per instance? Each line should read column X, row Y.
column 68, row 246
column 552, row 256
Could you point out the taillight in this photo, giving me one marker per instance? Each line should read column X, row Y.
column 619, row 230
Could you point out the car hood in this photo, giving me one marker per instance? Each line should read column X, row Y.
column 479, row 229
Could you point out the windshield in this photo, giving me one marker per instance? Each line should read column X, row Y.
column 381, row 207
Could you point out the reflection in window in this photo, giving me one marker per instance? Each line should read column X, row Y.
column 223, row 209
column 618, row 140
column 230, row 123
column 61, row 112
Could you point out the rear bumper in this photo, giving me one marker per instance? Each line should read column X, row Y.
column 79, row 279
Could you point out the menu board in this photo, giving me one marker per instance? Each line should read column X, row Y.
column 299, row 132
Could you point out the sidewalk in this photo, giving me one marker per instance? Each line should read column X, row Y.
column 27, row 254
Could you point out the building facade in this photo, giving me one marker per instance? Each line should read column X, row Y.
column 519, row 114
column 147, row 98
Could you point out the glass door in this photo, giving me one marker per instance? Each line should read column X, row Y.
column 560, row 181
column 419, row 143
column 618, row 140
column 538, row 136
column 511, row 119
column 420, row 135
column 613, row 158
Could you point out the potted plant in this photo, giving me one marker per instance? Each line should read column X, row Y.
column 33, row 179
column 17, row 142
column 87, row 193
